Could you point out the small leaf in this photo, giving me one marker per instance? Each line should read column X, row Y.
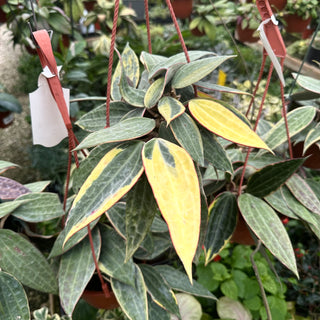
column 308, row 83
column 130, row 63
column 230, row 309
column 159, row 290
column 132, row 299
column 128, row 129
column 76, row 269
column 303, row 193
column 13, row 299
column 188, row 135
column 221, row 121
column 312, row 137
column 140, row 210
column 112, row 257
column 170, row 108
column 268, row 227
column 196, row 70
column 113, row 177
column 21, row 259
column 190, row 307
column 271, row 177
column 5, row 165
column 222, row 222
column 154, row 92
column 178, row 280
column 170, row 164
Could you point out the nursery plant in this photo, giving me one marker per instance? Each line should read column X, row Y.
column 167, row 174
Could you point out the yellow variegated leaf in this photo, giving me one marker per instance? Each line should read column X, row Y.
column 109, row 181
column 221, row 121
column 170, row 108
column 173, row 179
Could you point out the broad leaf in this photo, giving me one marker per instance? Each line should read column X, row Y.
column 38, row 186
column 96, row 119
column 113, row 255
column 230, row 309
column 267, row 226
column 158, row 225
column 132, row 299
column 5, row 165
column 13, row 299
column 170, row 108
column 189, row 306
column 308, row 83
column 117, row 217
column 11, row 189
column 196, row 70
column 110, row 180
column 128, row 129
column 150, row 60
column 298, row 119
column 39, row 207
column 312, row 137
column 159, row 290
column 177, row 194
column 222, row 222
column 303, row 193
column 154, row 92
column 221, row 121
column 10, row 206
column 76, row 269
column 215, row 87
column 271, row 177
column 130, row 63
column 156, row 312
column 21, row 259
column 140, row 210
column 188, row 135
column 177, row 280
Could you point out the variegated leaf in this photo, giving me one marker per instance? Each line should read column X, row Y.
column 221, row 121
column 312, row 137
column 109, row 181
column 128, row 129
column 175, row 184
column 170, row 108
column 10, row 206
column 38, row 186
column 130, row 63
column 5, row 165
column 267, row 226
column 308, row 83
column 154, row 92
column 215, row 87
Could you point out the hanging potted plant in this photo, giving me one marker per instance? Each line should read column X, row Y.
column 298, row 14
column 8, row 106
column 277, row 5
column 182, row 8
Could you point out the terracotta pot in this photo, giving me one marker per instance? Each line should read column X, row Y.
column 246, row 34
column 313, row 162
column 277, row 4
column 182, row 8
column 196, row 32
column 6, row 119
column 89, row 5
column 98, row 300
column 3, row 16
column 295, row 24
column 242, row 234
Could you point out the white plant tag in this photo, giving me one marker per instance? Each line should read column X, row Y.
column 48, row 128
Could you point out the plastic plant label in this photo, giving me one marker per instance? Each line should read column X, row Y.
column 48, row 128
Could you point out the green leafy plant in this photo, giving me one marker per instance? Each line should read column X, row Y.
column 250, row 17
column 8, row 102
column 302, row 8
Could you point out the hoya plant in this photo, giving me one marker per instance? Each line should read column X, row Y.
column 168, row 173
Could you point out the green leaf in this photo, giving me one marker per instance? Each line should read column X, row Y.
column 156, row 312
column 223, row 122
column 159, row 290
column 140, row 210
column 308, row 83
column 38, row 186
column 9, row 206
column 112, row 257
column 154, row 92
column 268, row 227
column 96, row 119
column 39, row 207
column 188, row 135
column 303, row 193
column 76, row 269
column 115, row 83
column 128, row 129
column 166, row 162
column 117, row 217
column 150, row 60
column 190, row 307
column 112, row 178
column 5, row 165
column 132, row 299
column 229, row 289
column 312, row 137
column 209, row 86
column 130, row 63
column 9, row 103
column 21, row 259
column 179, row 281
column 196, row 70
column 222, row 222
column 170, row 108
column 298, row 119
column 230, row 309
column 13, row 299
column 59, row 23
column 271, row 177
column 205, row 278
column 159, row 225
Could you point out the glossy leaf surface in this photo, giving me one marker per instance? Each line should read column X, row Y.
column 128, row 129
column 271, row 177
column 221, row 121
column 76, row 269
column 222, row 222
column 267, row 226
column 132, row 299
column 170, row 164
column 170, row 108
column 13, row 299
column 21, row 259
column 111, row 179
